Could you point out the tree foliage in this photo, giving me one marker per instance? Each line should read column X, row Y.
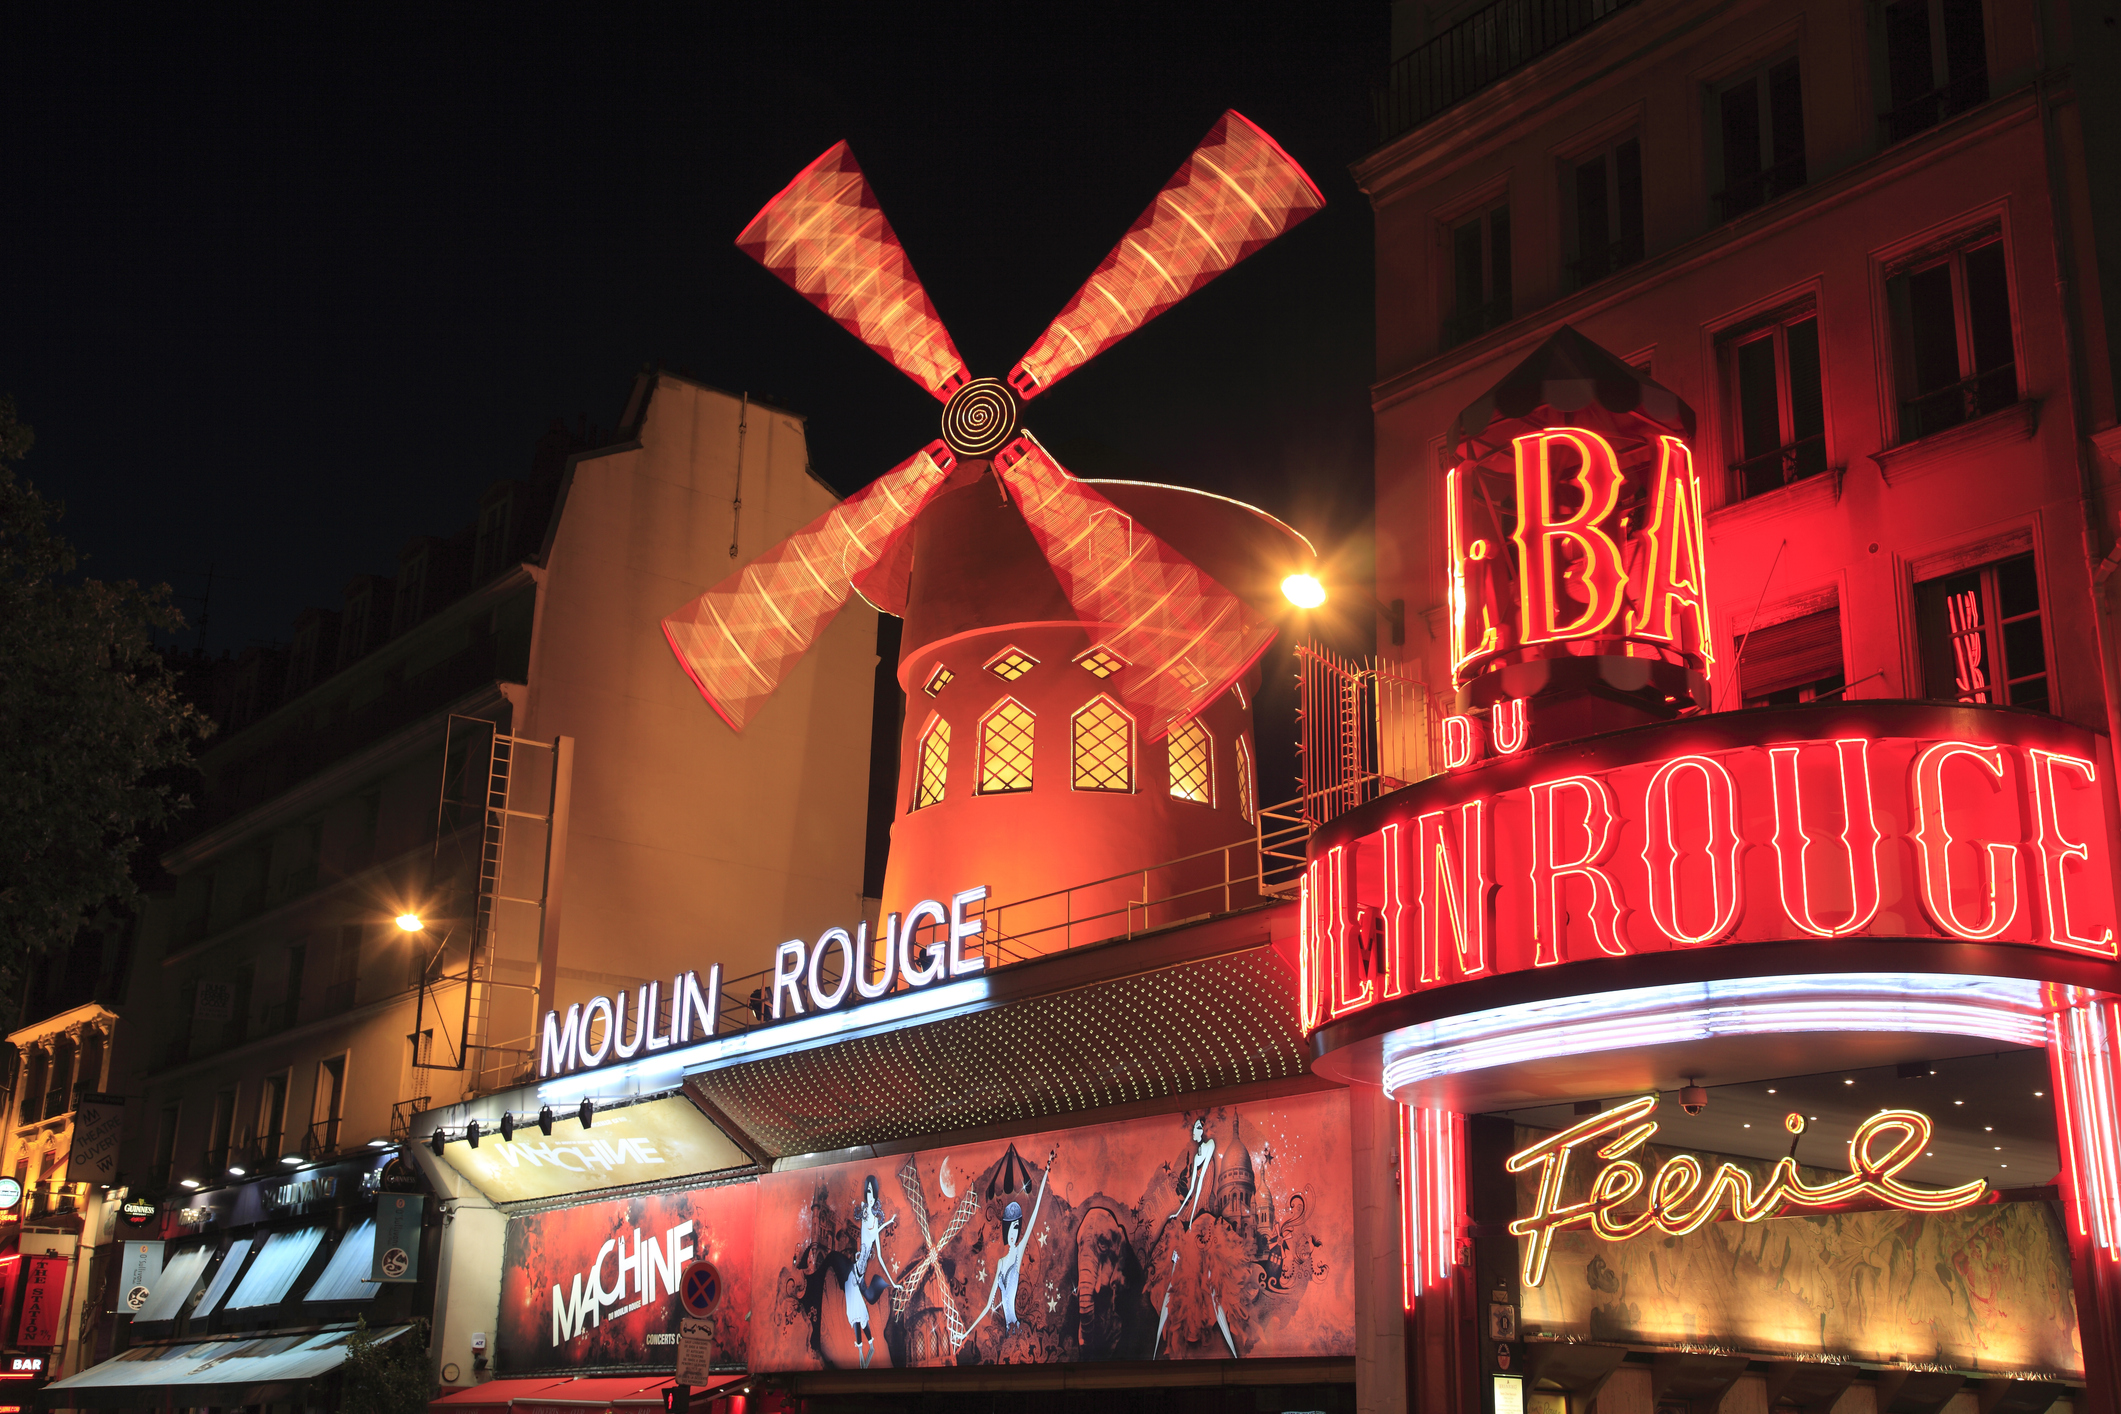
column 386, row 1376
column 92, row 728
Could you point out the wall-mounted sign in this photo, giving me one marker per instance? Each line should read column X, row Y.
column 10, row 1192
column 43, row 1292
column 137, row 1212
column 99, row 1120
column 925, row 946
column 23, row 1367
column 397, row 1256
column 139, row 1269
column 1867, row 820
column 597, row 1284
column 646, row 1143
column 1620, row 1200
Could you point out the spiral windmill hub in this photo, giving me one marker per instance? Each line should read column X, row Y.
column 980, row 418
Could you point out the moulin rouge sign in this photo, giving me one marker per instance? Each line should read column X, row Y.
column 1882, row 820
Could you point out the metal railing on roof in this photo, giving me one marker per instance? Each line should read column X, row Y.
column 1487, row 45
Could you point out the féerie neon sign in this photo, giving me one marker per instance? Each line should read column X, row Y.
column 1713, row 831
column 1622, row 1201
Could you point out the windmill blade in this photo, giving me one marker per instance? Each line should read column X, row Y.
column 742, row 637
column 827, row 237
column 1184, row 636
column 1237, row 192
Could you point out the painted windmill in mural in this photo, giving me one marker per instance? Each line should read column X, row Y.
column 1185, row 636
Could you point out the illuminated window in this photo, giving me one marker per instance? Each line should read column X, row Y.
column 1247, row 802
column 1480, row 274
column 1953, row 354
column 1936, row 63
column 1011, row 664
column 1192, row 763
column 1777, row 411
column 1603, row 191
column 1103, row 747
column 937, row 680
column 1005, row 748
column 1101, row 662
column 935, row 764
column 1761, row 115
column 1797, row 660
column 1981, row 635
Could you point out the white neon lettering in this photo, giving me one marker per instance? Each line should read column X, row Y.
column 963, row 930
column 819, row 997
column 603, row 1048
column 620, row 1046
column 787, row 977
column 927, row 908
column 881, row 963
column 561, row 1046
column 652, row 1016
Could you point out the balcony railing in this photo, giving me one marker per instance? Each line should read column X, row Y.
column 1771, row 471
column 1948, row 101
column 1986, row 392
column 1480, row 49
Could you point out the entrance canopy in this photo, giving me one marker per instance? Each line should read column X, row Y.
column 581, row 1395
column 233, row 1371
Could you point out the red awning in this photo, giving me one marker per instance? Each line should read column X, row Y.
column 546, row 1395
column 495, row 1395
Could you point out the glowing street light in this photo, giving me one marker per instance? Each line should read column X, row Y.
column 1304, row 591
column 411, row 923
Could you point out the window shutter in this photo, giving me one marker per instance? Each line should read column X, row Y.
column 1794, row 651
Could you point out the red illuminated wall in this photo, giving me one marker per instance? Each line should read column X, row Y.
column 1126, row 1243
column 557, row 1265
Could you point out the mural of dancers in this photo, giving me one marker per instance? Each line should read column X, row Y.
column 1116, row 1248
column 861, row 1294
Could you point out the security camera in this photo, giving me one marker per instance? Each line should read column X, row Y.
column 1693, row 1099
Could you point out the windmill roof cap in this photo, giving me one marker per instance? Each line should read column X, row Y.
column 1569, row 373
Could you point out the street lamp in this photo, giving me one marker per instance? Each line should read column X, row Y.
column 411, row 923
column 1306, row 592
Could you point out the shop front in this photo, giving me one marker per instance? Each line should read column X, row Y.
column 1762, row 1056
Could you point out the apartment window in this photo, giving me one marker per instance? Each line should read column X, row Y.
column 1192, row 763
column 491, row 550
column 1797, row 660
column 1777, row 411
column 1760, row 117
column 1603, row 191
column 934, row 764
column 217, row 1137
column 1981, row 635
column 35, row 1067
column 345, row 969
column 1953, row 354
column 272, row 1116
column 329, row 1106
column 240, row 994
column 165, row 1144
column 1936, row 63
column 1005, row 748
column 1103, row 747
column 1480, row 274
column 1247, row 798
column 289, row 1012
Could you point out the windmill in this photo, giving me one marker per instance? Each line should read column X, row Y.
column 1183, row 637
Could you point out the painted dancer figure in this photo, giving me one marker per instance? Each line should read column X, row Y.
column 862, row 1294
column 1016, row 1236
column 1196, row 1178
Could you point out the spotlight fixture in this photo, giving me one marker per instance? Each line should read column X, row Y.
column 508, row 1127
column 237, row 1169
column 545, row 1120
column 293, row 1161
column 435, row 1141
column 471, row 1132
column 588, row 1111
column 188, row 1182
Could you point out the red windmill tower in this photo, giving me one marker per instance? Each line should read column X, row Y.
column 1079, row 658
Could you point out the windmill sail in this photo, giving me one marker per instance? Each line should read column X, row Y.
column 826, row 236
column 742, row 637
column 1237, row 192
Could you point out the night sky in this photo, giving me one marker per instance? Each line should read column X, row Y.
column 286, row 288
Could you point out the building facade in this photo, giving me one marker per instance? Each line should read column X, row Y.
column 471, row 793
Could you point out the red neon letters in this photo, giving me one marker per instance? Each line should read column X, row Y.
column 1883, row 836
column 1595, row 578
column 1672, row 603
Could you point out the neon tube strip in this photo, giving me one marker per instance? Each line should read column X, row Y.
column 1994, row 1008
